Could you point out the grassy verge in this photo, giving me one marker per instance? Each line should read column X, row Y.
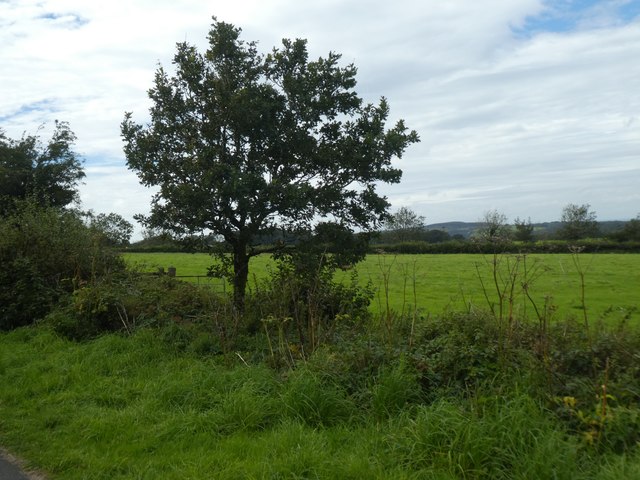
column 455, row 406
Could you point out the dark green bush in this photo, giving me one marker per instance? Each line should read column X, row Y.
column 131, row 300
column 306, row 303
column 46, row 253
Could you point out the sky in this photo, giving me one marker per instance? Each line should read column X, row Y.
column 522, row 106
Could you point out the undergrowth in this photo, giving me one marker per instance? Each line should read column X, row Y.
column 137, row 376
column 463, row 402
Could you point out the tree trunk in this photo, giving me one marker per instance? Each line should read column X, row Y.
column 240, row 275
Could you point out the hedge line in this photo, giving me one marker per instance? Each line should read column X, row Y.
column 546, row 246
column 453, row 246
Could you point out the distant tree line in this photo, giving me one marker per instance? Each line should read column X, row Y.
column 406, row 232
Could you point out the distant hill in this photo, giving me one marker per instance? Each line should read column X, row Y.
column 544, row 229
column 465, row 229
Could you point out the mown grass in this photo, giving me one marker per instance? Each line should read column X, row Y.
column 134, row 407
column 435, row 283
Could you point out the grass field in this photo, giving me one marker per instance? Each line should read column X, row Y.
column 435, row 283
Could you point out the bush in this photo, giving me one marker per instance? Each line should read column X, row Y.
column 46, row 253
column 130, row 300
column 305, row 303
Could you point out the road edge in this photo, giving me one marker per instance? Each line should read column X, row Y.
column 20, row 465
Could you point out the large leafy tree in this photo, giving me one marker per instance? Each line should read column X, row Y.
column 241, row 144
column 48, row 174
column 523, row 230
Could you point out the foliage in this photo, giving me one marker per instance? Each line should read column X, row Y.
column 316, row 402
column 457, row 351
column 48, row 174
column 395, row 389
column 499, row 438
column 524, row 230
column 405, row 225
column 630, row 232
column 130, row 300
column 135, row 406
column 45, row 254
column 493, row 228
column 578, row 222
column 302, row 291
column 116, row 230
column 538, row 247
column 156, row 240
column 242, row 144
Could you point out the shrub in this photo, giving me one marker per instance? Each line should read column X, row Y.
column 305, row 303
column 130, row 300
column 458, row 351
column 45, row 253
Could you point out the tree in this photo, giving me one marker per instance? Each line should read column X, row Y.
column 435, row 236
column 242, row 144
column 524, row 230
column 49, row 174
column 405, row 225
column 630, row 232
column 578, row 221
column 493, row 227
column 115, row 230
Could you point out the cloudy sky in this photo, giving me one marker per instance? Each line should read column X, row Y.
column 522, row 106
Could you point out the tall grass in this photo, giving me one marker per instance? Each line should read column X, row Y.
column 135, row 407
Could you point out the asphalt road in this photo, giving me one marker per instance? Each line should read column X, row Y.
column 9, row 471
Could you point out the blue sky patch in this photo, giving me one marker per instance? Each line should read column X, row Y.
column 561, row 16
column 68, row 20
column 45, row 106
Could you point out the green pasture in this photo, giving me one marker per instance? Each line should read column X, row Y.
column 435, row 283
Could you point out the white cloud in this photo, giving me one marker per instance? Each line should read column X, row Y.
column 524, row 121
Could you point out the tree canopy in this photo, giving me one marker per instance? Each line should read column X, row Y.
column 630, row 232
column 523, row 230
column 115, row 230
column 494, row 227
column 578, row 221
column 242, row 144
column 405, row 225
column 47, row 174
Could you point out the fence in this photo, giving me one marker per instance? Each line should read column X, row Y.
column 219, row 284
